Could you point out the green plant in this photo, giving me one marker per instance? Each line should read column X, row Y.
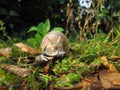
column 69, row 71
column 31, row 81
column 7, row 78
column 117, row 31
column 67, row 80
column 3, row 28
column 40, row 31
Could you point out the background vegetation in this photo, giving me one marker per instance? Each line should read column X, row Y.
column 19, row 15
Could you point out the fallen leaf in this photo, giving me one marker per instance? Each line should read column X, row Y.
column 114, row 58
column 24, row 82
column 22, row 72
column 1, row 75
column 108, row 64
column 110, row 80
column 46, row 69
column 5, row 52
column 26, row 48
column 93, row 78
column 3, row 88
column 86, row 84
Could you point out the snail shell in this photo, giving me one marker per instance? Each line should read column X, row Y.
column 55, row 39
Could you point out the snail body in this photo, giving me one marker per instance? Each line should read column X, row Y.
column 54, row 44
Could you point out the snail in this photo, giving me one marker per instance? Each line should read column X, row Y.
column 54, row 45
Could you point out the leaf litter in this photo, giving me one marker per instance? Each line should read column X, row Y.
column 101, row 76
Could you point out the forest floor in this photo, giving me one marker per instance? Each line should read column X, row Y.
column 90, row 65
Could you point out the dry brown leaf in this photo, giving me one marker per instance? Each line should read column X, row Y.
column 94, row 80
column 5, row 52
column 3, row 88
column 26, row 48
column 46, row 69
column 115, row 58
column 108, row 64
column 22, row 72
column 1, row 54
column 1, row 75
column 110, row 80
column 86, row 84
